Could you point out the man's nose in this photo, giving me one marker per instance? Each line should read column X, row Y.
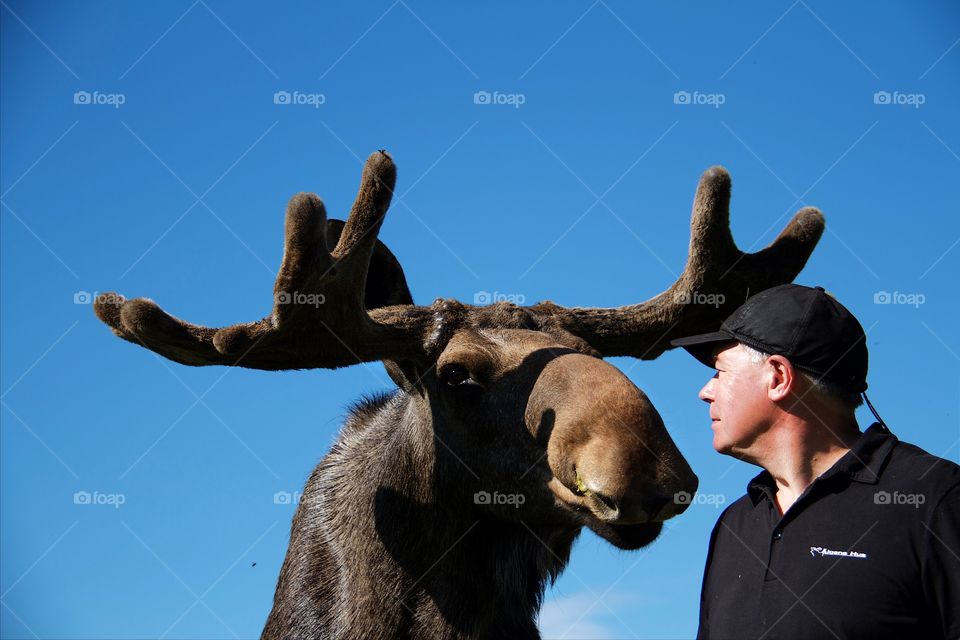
column 706, row 393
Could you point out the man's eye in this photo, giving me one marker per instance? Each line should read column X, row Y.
column 456, row 375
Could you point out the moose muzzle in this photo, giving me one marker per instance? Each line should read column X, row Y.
column 609, row 451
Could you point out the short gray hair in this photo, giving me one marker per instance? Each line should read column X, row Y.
column 821, row 386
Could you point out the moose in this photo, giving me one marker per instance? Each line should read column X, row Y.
column 445, row 506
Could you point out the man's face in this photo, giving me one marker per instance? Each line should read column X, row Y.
column 737, row 395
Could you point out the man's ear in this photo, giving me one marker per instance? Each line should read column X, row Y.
column 782, row 378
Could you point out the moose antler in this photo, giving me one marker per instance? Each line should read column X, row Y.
column 717, row 278
column 326, row 314
column 319, row 317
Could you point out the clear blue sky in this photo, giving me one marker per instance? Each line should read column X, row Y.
column 178, row 194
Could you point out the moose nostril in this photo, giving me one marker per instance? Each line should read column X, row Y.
column 604, row 507
column 607, row 502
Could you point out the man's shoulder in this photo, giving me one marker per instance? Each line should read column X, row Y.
column 739, row 508
column 913, row 466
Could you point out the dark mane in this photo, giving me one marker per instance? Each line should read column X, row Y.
column 446, row 505
column 361, row 411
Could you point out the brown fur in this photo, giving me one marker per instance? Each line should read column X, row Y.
column 392, row 538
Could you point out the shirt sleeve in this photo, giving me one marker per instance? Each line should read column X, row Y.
column 941, row 562
column 703, row 632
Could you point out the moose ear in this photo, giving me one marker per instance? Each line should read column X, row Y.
column 386, row 286
column 406, row 375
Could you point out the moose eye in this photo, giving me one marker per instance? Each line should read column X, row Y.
column 456, row 375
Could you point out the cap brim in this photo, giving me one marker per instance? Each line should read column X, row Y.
column 702, row 346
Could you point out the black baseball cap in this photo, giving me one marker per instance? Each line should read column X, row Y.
column 806, row 325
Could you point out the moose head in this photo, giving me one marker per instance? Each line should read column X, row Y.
column 506, row 415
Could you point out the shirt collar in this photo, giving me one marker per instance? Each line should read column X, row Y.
column 863, row 463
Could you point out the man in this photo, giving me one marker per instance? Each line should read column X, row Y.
column 844, row 534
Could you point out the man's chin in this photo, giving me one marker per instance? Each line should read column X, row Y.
column 722, row 446
column 628, row 536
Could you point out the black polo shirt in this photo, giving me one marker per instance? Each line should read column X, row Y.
column 870, row 550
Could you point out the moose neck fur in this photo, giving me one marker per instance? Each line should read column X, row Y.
column 387, row 542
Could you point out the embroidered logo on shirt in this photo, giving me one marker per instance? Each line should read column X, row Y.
column 823, row 551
